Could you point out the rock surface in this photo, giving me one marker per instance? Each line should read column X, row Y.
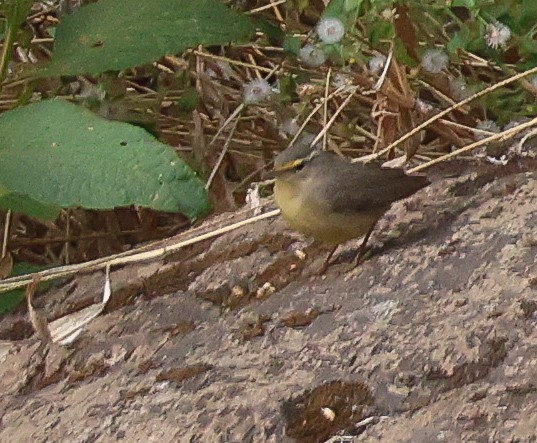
column 434, row 336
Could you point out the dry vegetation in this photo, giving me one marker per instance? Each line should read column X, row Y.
column 194, row 102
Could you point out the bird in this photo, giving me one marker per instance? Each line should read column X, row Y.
column 332, row 199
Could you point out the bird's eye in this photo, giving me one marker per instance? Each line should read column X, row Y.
column 299, row 166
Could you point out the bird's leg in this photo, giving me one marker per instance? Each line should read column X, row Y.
column 326, row 263
column 363, row 247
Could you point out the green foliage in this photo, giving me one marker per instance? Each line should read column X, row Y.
column 118, row 34
column 500, row 32
column 346, row 10
column 18, row 202
column 72, row 157
column 288, row 87
column 116, row 164
column 383, row 30
column 15, row 12
column 11, row 299
column 292, row 45
column 273, row 33
column 189, row 100
column 462, row 25
column 342, row 9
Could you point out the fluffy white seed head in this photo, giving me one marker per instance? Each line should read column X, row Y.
column 341, row 79
column 487, row 125
column 423, row 107
column 290, row 127
column 376, row 64
column 330, row 30
column 256, row 91
column 497, row 35
column 459, row 89
column 435, row 61
column 312, row 56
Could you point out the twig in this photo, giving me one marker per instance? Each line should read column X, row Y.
column 232, row 62
column 228, row 120
column 270, row 5
column 452, row 108
column 325, row 107
column 504, row 135
column 6, row 233
column 133, row 256
column 333, row 119
column 222, row 155
column 384, row 74
column 314, row 111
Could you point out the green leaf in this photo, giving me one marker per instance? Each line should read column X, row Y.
column 11, row 299
column 470, row 4
column 15, row 11
column 288, row 87
column 381, row 30
column 401, row 53
column 345, row 10
column 353, row 5
column 274, row 34
column 528, row 14
column 118, row 34
column 528, row 49
column 63, row 155
column 459, row 40
column 292, row 44
column 189, row 100
column 22, row 203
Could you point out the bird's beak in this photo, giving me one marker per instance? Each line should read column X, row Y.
column 289, row 166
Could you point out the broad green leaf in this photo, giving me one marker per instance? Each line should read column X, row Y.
column 10, row 300
column 63, row 155
column 528, row 48
column 21, row 203
column 288, row 87
column 274, row 34
column 112, row 35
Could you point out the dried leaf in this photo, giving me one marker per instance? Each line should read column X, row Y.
column 404, row 27
column 295, row 319
column 180, row 374
column 37, row 317
column 6, row 266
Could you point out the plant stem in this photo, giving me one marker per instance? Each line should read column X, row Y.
column 7, row 50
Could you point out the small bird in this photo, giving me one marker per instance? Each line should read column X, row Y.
column 332, row 199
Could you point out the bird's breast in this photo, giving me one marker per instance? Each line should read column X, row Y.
column 305, row 212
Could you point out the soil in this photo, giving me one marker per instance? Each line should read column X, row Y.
column 432, row 339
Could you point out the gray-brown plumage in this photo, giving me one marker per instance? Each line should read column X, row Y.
column 334, row 200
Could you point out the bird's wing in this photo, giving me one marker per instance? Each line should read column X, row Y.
column 358, row 186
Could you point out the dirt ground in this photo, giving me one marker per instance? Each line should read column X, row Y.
column 432, row 339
